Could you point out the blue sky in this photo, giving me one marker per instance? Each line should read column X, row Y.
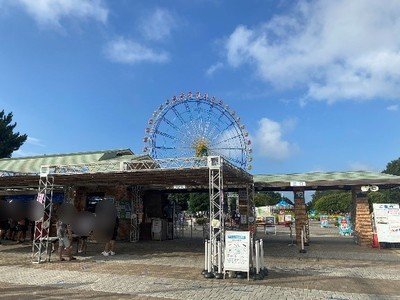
column 316, row 83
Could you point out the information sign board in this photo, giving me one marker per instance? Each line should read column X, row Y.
column 298, row 183
column 387, row 222
column 237, row 251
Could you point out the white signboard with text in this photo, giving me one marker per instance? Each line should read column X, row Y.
column 387, row 222
column 237, row 251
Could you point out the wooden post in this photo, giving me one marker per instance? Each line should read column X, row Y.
column 243, row 209
column 361, row 217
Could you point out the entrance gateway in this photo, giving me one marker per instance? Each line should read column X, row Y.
column 201, row 161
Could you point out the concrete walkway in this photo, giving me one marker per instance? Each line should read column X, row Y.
column 333, row 268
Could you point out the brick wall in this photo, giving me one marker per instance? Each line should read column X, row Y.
column 362, row 218
column 300, row 213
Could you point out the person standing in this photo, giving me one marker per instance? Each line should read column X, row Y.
column 22, row 228
column 4, row 226
column 64, row 235
column 109, row 248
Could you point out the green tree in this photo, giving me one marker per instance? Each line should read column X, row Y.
column 266, row 198
column 332, row 201
column 199, row 202
column 384, row 196
column 389, row 195
column 393, row 167
column 9, row 141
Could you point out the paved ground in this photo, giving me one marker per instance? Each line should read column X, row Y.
column 333, row 268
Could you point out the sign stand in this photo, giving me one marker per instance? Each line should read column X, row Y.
column 237, row 252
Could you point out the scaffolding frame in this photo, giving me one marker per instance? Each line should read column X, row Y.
column 40, row 244
column 127, row 166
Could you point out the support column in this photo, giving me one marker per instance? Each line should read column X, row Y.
column 121, row 198
column 251, row 210
column 361, row 217
column 246, row 207
column 80, row 198
column 121, row 192
column 217, row 217
column 300, row 213
column 243, row 208
column 136, row 195
column 69, row 194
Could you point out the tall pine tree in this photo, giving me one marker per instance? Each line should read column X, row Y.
column 9, row 141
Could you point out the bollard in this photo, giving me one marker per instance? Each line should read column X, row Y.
column 302, row 250
column 209, row 273
column 210, row 258
column 261, row 254
column 257, row 257
column 262, row 264
column 219, row 275
column 205, row 258
column 252, row 251
column 291, row 235
column 305, row 236
column 258, row 274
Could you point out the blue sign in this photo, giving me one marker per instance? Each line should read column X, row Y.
column 57, row 198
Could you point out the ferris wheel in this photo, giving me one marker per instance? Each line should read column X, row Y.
column 196, row 125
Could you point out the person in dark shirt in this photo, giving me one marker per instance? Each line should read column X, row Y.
column 22, row 227
column 109, row 248
column 4, row 226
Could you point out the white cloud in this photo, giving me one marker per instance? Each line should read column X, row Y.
column 394, row 107
column 34, row 142
column 128, row 51
column 213, row 68
column 269, row 142
column 158, row 25
column 51, row 12
column 334, row 50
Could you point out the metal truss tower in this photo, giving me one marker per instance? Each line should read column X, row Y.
column 217, row 217
column 40, row 243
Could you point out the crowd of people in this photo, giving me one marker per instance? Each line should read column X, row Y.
column 16, row 231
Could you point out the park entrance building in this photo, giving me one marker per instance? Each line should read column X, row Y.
column 121, row 175
column 351, row 181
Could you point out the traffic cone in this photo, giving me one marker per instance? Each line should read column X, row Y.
column 375, row 243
